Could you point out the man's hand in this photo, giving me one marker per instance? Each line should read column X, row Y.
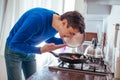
column 51, row 47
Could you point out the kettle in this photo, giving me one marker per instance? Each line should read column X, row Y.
column 93, row 50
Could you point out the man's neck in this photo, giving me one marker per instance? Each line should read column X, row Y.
column 56, row 21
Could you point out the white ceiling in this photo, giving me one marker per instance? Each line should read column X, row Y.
column 99, row 9
column 104, row 2
column 96, row 12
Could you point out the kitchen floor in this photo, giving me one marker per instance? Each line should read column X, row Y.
column 42, row 60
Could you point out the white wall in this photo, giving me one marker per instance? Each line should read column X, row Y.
column 111, row 49
column 94, row 25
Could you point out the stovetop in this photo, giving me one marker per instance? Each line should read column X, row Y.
column 91, row 68
column 79, row 71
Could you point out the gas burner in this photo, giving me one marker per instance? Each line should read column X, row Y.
column 81, row 63
column 95, row 65
column 70, row 66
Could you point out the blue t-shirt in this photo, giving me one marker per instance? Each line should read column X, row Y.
column 34, row 27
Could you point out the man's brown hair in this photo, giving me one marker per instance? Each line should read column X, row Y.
column 75, row 20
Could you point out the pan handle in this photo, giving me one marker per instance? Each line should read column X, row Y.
column 54, row 54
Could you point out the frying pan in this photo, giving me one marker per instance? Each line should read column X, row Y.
column 67, row 57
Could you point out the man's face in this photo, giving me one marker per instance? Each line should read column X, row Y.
column 68, row 32
column 71, row 36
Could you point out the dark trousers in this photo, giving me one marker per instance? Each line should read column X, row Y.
column 16, row 62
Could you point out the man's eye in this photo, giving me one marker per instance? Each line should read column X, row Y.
column 72, row 33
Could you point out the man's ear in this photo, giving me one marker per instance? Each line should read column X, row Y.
column 64, row 22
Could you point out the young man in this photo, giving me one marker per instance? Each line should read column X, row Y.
column 35, row 26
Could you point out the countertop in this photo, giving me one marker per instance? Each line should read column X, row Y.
column 47, row 73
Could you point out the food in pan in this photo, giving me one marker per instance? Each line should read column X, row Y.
column 76, row 57
column 67, row 57
column 73, row 57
